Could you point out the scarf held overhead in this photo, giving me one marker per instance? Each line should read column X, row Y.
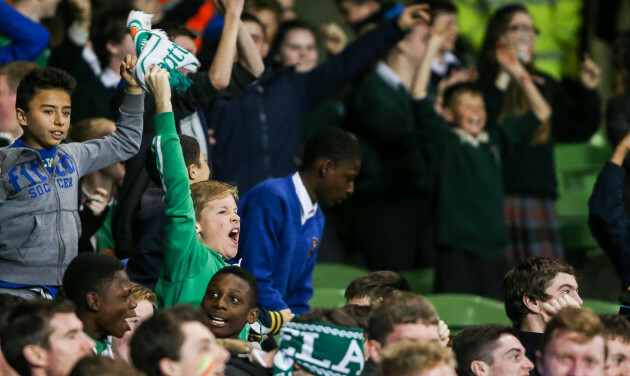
column 154, row 48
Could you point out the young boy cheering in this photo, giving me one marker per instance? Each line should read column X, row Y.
column 39, row 179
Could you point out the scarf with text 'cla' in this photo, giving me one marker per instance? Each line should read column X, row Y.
column 154, row 48
column 319, row 348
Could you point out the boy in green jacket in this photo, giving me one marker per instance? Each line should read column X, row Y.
column 469, row 230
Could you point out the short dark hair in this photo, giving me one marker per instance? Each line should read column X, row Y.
column 402, row 308
column 89, row 272
column 453, row 92
column 333, row 316
column 330, row 143
column 477, row 343
column 28, row 324
column 377, row 285
column 108, row 26
column 190, row 149
column 438, row 7
column 174, row 30
column 243, row 274
column 270, row 5
column 616, row 327
column 286, row 27
column 571, row 319
column 161, row 336
column 248, row 17
column 42, row 79
column 361, row 314
column 97, row 365
column 531, row 278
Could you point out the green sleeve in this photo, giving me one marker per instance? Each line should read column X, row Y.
column 183, row 254
column 516, row 130
column 427, row 118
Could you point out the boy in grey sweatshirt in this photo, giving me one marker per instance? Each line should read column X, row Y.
column 39, row 179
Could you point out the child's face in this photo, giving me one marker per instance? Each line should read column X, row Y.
column 220, row 226
column 338, row 181
column 228, row 304
column 299, row 50
column 468, row 113
column 46, row 122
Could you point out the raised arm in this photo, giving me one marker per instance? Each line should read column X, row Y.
column 248, row 55
column 29, row 38
column 506, row 56
column 221, row 67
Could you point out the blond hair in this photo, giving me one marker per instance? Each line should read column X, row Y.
column 210, row 190
column 583, row 322
column 139, row 292
column 403, row 358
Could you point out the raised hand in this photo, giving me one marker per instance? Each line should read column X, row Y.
column 126, row 68
column 414, row 15
column 507, row 59
column 157, row 82
column 590, row 75
column 334, row 37
column 97, row 202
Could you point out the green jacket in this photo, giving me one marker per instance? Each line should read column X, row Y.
column 469, row 191
column 188, row 264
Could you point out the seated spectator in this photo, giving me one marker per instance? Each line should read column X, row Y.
column 490, row 350
column 145, row 306
column 321, row 341
column 44, row 338
column 6, row 303
column 95, row 365
column 617, row 335
column 99, row 288
column 34, row 253
column 401, row 317
column 27, row 38
column 534, row 292
column 10, row 76
column 176, row 341
column 573, row 344
column 371, row 288
column 415, row 359
column 282, row 222
column 607, row 217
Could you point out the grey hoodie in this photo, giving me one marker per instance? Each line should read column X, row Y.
column 39, row 220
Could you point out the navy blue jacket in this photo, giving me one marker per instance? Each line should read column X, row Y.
column 608, row 220
column 259, row 133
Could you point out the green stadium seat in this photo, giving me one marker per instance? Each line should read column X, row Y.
column 330, row 275
column 421, row 280
column 328, row 298
column 461, row 310
column 601, row 306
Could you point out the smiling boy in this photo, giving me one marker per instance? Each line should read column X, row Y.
column 283, row 224
column 39, row 179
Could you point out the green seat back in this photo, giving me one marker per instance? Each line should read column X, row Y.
column 460, row 310
column 329, row 275
column 421, row 280
column 328, row 298
column 601, row 306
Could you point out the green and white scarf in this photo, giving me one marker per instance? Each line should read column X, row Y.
column 154, row 48
column 319, row 348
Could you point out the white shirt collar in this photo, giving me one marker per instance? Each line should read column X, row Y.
column 440, row 67
column 468, row 138
column 388, row 75
column 307, row 207
column 109, row 78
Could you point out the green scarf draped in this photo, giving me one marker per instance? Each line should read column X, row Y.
column 319, row 348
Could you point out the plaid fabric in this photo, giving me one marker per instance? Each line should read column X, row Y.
column 532, row 228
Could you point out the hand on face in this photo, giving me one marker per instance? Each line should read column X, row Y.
column 554, row 305
column 590, row 75
column 507, row 59
column 413, row 15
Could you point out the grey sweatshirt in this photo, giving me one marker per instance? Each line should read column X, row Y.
column 39, row 220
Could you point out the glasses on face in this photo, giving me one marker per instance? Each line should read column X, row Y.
column 522, row 28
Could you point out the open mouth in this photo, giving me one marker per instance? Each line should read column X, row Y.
column 217, row 321
column 234, row 234
column 57, row 135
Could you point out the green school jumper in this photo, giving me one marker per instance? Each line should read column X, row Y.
column 469, row 202
column 188, row 264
